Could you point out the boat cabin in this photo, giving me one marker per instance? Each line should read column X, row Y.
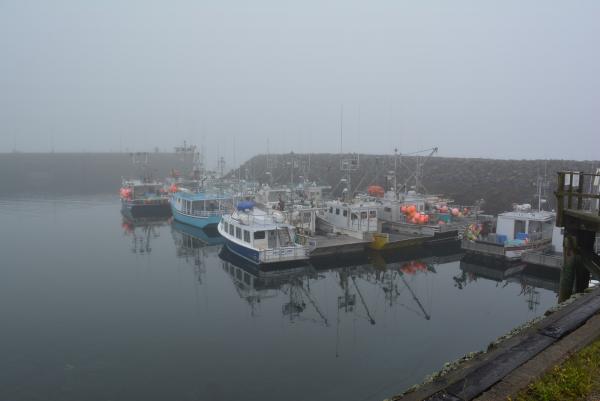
column 261, row 236
column 525, row 225
column 200, row 204
column 390, row 209
column 356, row 217
column 138, row 189
column 271, row 197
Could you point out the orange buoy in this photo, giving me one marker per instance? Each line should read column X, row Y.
column 376, row 191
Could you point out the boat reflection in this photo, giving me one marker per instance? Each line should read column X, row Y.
column 195, row 245
column 530, row 278
column 142, row 230
column 255, row 284
column 359, row 284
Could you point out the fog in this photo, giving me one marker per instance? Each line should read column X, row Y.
column 507, row 79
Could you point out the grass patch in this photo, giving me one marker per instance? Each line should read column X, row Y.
column 575, row 379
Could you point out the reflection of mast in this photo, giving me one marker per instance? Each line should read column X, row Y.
column 416, row 299
column 362, row 300
column 533, row 296
column 314, row 304
column 296, row 305
column 141, row 234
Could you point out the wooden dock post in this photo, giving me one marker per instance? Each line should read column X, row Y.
column 567, row 275
column 581, row 222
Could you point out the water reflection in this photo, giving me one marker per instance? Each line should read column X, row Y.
column 373, row 325
column 530, row 278
column 195, row 245
column 393, row 278
column 394, row 275
column 142, row 231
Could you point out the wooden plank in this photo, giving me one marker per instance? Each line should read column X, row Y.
column 496, row 369
column 573, row 320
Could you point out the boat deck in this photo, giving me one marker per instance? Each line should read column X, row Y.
column 328, row 245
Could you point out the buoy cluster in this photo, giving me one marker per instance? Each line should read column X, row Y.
column 410, row 211
column 413, row 267
column 456, row 212
column 376, row 191
column 125, row 193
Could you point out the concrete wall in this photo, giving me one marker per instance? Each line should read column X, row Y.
column 77, row 173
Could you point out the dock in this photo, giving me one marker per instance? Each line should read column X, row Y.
column 579, row 215
column 331, row 245
column 552, row 260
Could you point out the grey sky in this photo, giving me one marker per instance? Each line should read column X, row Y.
column 477, row 78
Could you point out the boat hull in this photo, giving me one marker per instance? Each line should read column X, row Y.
column 500, row 251
column 243, row 252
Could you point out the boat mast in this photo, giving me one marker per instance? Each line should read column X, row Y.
column 396, row 173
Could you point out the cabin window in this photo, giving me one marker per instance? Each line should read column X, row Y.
column 372, row 213
column 337, row 211
column 197, row 206
column 246, row 278
column 330, row 210
column 225, row 226
column 238, row 233
column 363, row 215
column 535, row 227
column 247, row 236
column 211, row 206
column 259, row 235
column 354, row 216
column 345, row 213
column 519, row 227
column 231, row 229
column 387, row 209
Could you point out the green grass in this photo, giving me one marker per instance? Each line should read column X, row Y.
column 575, row 379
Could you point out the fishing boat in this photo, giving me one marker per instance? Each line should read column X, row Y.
column 199, row 209
column 144, row 198
column 514, row 233
column 260, row 237
column 268, row 197
column 356, row 218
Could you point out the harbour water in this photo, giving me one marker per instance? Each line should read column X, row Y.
column 97, row 308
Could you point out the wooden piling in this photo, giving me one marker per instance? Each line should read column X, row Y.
column 567, row 275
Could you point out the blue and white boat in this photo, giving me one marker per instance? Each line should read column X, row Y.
column 260, row 237
column 199, row 209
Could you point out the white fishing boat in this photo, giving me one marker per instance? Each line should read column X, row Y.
column 269, row 197
column 261, row 237
column 515, row 232
column 357, row 218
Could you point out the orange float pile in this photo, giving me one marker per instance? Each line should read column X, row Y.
column 412, row 216
column 125, row 193
column 376, row 191
column 413, row 267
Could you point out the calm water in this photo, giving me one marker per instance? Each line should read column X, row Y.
column 95, row 309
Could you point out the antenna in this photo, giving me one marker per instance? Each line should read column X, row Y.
column 349, row 164
column 341, row 128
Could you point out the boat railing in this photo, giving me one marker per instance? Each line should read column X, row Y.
column 285, row 253
column 148, row 201
column 206, row 213
column 577, row 191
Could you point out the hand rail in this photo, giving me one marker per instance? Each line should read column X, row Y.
column 567, row 188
